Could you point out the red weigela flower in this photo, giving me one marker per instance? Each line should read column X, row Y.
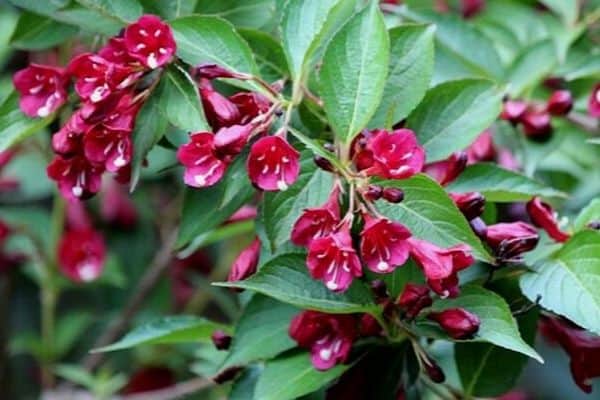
column 537, row 124
column 150, row 41
column 76, row 177
column 202, row 166
column 510, row 240
column 594, row 102
column 328, row 336
column 383, row 245
column 317, row 222
column 441, row 266
column 109, row 147
column 471, row 204
column 560, row 103
column 459, row 323
column 543, row 216
column 447, row 170
column 81, row 255
column 482, row 149
column 43, row 89
column 246, row 262
column 333, row 260
column 219, row 110
column 229, row 141
column 273, row 164
column 413, row 299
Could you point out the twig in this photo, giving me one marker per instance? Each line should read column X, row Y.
column 585, row 122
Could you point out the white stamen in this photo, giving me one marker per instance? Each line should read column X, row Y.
column 162, row 51
column 143, row 32
column 77, row 191
column 281, row 185
column 331, row 285
column 98, row 94
column 325, row 354
column 87, row 272
column 119, row 162
column 400, row 170
column 152, row 61
column 265, row 169
column 36, row 89
column 140, row 46
column 382, row 266
column 157, row 33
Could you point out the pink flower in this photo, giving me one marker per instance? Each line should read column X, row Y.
column 543, row 216
column 333, row 260
column 513, row 111
column 246, row 212
column 317, row 222
column 459, row 323
column 109, row 147
column 250, row 105
column 202, row 166
column 441, row 266
column 229, row 141
column 76, row 177
column 246, row 262
column 594, row 102
column 560, row 103
column 482, row 149
column 116, row 112
column 273, row 164
column 445, row 171
column 383, row 245
column 81, row 255
column 67, row 141
column 219, row 110
column 116, row 208
column 413, row 299
column 395, row 155
column 150, row 41
column 116, row 52
column 43, row 89
column 510, row 240
column 328, row 336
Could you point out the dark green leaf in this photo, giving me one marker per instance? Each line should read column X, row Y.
column 122, row 10
column 290, row 377
column 566, row 9
column 589, row 214
column 396, row 280
column 262, row 331
column 453, row 114
column 169, row 8
column 243, row 387
column 567, row 281
column 286, row 279
column 247, row 13
column 35, row 32
column 500, row 185
column 410, row 70
column 530, row 67
column 268, row 54
column 430, row 214
column 355, row 66
column 16, row 126
column 167, row 330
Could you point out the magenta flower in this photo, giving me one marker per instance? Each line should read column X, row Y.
column 76, row 177
column 273, row 164
column 81, row 255
column 510, row 240
column 459, row 323
column 250, row 105
column 594, row 102
column 441, row 266
column 329, row 337
column 116, row 112
column 108, row 147
column 317, row 222
column 413, row 299
column 394, row 155
column 202, row 166
column 513, row 111
column 445, row 171
column 537, row 124
column 116, row 52
column 482, row 149
column 43, row 89
column 471, row 204
column 219, row 110
column 246, row 262
column 333, row 260
column 67, row 141
column 229, row 141
column 383, row 245
column 150, row 41
column 560, row 103
column 543, row 216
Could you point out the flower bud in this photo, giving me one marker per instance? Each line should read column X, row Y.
column 323, row 163
column 373, row 192
column 379, row 288
column 594, row 225
column 246, row 262
column 413, row 299
column 542, row 215
column 513, row 110
column 560, row 103
column 594, row 102
column 537, row 125
column 433, row 370
column 393, row 195
column 221, row 340
column 510, row 240
column 470, row 204
column 459, row 323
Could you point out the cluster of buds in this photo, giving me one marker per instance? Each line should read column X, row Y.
column 272, row 164
column 537, row 118
column 112, row 86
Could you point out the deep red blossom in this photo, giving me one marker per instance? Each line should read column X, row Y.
column 116, row 52
column 220, row 339
column 594, row 102
column 482, row 149
column 76, row 177
column 459, row 323
column 513, row 111
column 81, row 255
column 219, row 110
column 440, row 265
column 393, row 195
column 318, row 221
column 273, row 164
column 110, row 148
column 250, row 105
column 150, row 41
column 333, row 260
column 229, row 141
column 202, row 166
column 116, row 112
column 543, row 216
column 68, row 140
column 445, row 171
column 537, row 124
column 329, row 337
column 413, row 299
column 582, row 347
column 470, row 8
column 510, row 240
column 471, row 204
column 560, row 103
column 246, row 262
column 43, row 89
column 383, row 245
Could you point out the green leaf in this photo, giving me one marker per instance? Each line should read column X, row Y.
column 262, row 331
column 150, row 127
column 352, row 77
column 500, row 185
column 247, row 13
column 268, row 54
column 410, row 70
column 169, row 9
column 205, row 209
column 530, row 67
column 16, row 126
column 287, row 378
column 567, row 282
column 35, row 32
column 243, row 387
column 76, row 374
column 180, row 101
column 498, row 326
column 453, row 114
column 303, row 25
column 212, row 40
column 280, row 210
column 167, row 330
column 122, row 10
column 286, row 279
column 430, row 214
column 396, row 280
column 590, row 213
column 566, row 9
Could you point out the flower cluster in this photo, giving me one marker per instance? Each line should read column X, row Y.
column 97, row 136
